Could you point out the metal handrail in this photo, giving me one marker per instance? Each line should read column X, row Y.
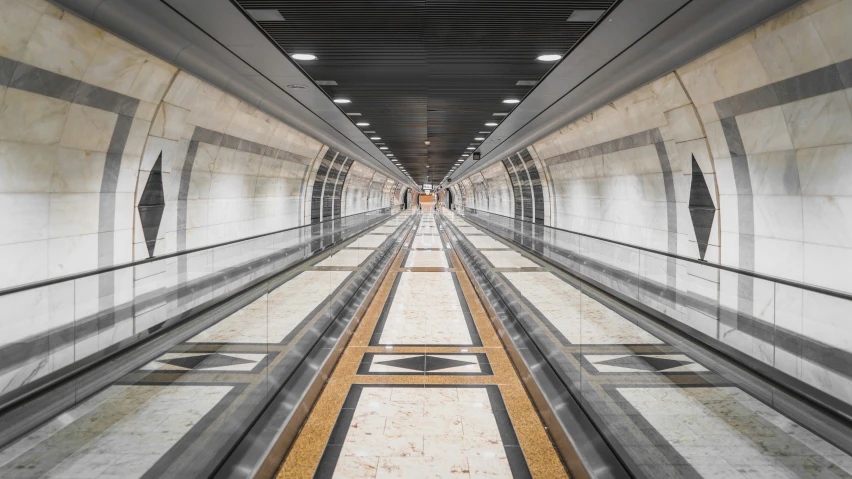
column 731, row 269
column 107, row 269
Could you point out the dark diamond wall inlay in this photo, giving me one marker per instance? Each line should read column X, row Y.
column 152, row 204
column 701, row 208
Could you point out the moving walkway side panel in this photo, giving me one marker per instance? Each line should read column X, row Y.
column 261, row 451
column 178, row 352
column 794, row 427
column 583, row 448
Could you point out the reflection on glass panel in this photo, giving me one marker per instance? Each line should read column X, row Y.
column 663, row 409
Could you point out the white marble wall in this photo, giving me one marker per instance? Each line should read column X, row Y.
column 375, row 197
column 480, row 191
column 768, row 118
column 468, row 194
column 621, row 195
column 387, row 192
column 53, row 151
column 501, row 200
column 798, row 152
column 786, row 192
column 356, row 189
column 232, row 192
column 84, row 116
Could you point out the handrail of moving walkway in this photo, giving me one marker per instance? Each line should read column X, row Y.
column 107, row 269
column 796, row 284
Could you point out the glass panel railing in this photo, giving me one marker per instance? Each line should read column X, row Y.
column 767, row 350
column 54, row 328
column 239, row 319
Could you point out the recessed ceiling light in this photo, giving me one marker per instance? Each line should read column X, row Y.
column 491, row 124
column 354, row 114
column 526, row 83
column 383, row 148
column 375, row 138
column 499, row 114
column 326, row 83
column 303, row 56
column 471, row 148
column 479, row 138
column 362, row 123
column 297, row 87
column 549, row 58
column 511, row 101
column 342, row 100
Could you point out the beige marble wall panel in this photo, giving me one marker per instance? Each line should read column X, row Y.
column 500, row 195
column 356, row 189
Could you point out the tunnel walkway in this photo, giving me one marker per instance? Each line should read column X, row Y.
column 428, row 385
column 425, row 387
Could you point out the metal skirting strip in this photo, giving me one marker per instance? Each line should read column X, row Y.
column 586, row 453
column 261, row 452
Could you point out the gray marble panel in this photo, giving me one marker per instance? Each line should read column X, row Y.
column 203, row 135
column 7, row 69
column 251, row 147
column 35, row 80
column 732, row 135
column 609, row 147
column 807, row 85
column 818, row 82
column 754, row 100
column 229, row 141
column 595, row 150
column 107, row 100
column 573, row 156
column 624, row 143
column 845, row 71
column 645, row 138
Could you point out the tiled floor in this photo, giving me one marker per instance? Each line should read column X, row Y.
column 507, row 259
column 167, row 418
column 272, row 317
column 427, row 259
column 579, row 318
column 347, row 257
column 122, row 432
column 666, row 414
column 424, row 388
column 415, row 318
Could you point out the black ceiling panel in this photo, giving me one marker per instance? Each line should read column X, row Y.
column 421, row 70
